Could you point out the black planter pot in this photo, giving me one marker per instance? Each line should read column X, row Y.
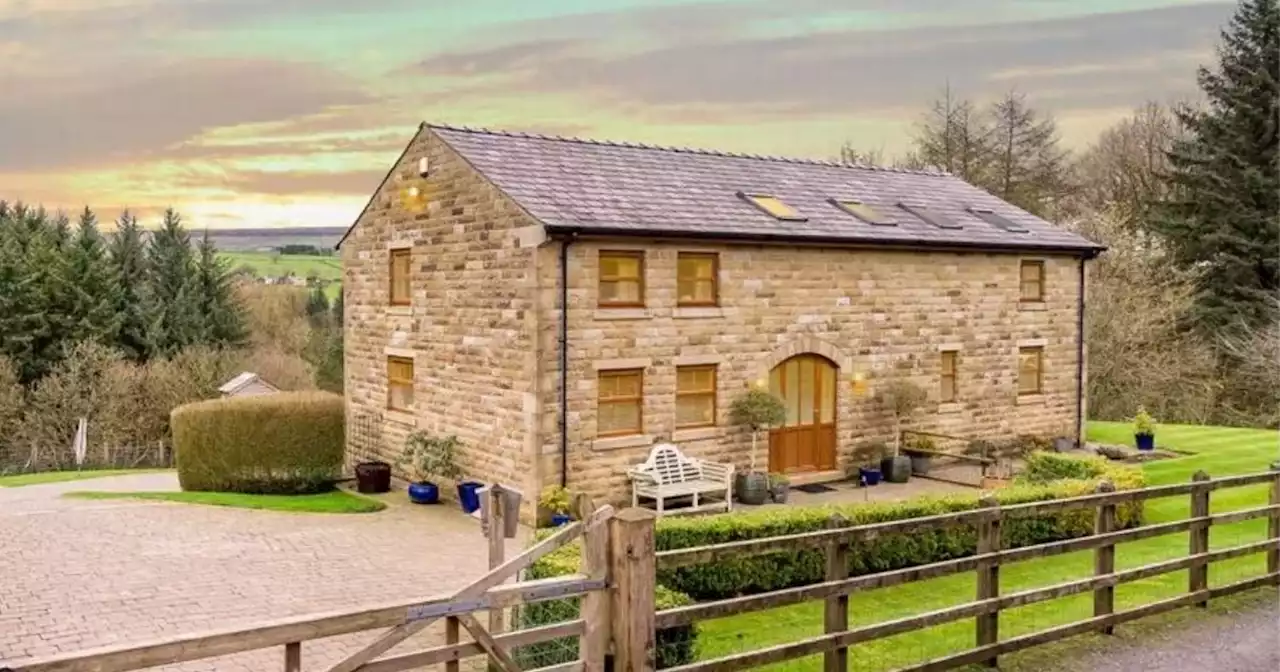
column 752, row 487
column 373, row 477
column 896, row 469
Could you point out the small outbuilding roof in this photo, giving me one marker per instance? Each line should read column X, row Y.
column 243, row 381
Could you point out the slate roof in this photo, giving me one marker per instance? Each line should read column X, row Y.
column 619, row 188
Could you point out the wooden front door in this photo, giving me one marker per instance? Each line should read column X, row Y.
column 807, row 442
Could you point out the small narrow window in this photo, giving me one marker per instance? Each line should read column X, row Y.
column 1030, row 370
column 400, row 265
column 621, row 279
column 931, row 216
column 696, row 279
column 400, row 383
column 695, row 396
column 947, row 376
column 1031, row 276
column 619, row 402
column 998, row 221
column 864, row 212
column 772, row 205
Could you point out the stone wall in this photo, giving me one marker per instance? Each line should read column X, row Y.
column 881, row 313
column 471, row 329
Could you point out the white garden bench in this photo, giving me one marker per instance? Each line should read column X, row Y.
column 669, row 474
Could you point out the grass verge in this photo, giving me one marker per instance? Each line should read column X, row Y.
column 1217, row 450
column 40, row 478
column 334, row 501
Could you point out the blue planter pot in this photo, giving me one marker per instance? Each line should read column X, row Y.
column 468, row 497
column 1145, row 441
column 869, row 476
column 424, row 493
column 558, row 519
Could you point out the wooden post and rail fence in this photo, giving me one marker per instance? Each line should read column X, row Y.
column 617, row 625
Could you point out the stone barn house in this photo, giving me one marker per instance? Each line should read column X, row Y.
column 561, row 304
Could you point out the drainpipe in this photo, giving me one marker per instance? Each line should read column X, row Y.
column 564, row 358
column 1080, row 391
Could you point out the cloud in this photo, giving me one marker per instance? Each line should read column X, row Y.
column 76, row 123
column 848, row 71
column 348, row 183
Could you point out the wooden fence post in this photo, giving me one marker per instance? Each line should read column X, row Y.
column 836, row 612
column 1273, row 523
column 1104, row 557
column 988, row 625
column 451, row 637
column 1198, row 575
column 594, row 644
column 497, row 555
column 631, row 555
column 293, row 657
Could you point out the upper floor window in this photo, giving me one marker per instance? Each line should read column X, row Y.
column 696, row 279
column 1030, row 370
column 621, row 279
column 774, row 206
column 400, row 263
column 1031, row 274
column 619, row 402
column 947, row 377
column 695, row 396
column 400, row 383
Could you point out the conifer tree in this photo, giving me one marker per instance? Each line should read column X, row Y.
column 128, row 262
column 89, row 286
column 221, row 315
column 171, row 288
column 1221, row 219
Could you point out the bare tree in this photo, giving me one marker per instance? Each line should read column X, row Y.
column 1029, row 168
column 1124, row 170
column 955, row 136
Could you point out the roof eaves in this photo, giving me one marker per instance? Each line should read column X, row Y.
column 1088, row 251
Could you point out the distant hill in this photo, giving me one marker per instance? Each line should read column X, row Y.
column 249, row 240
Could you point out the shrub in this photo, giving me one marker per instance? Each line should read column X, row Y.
column 290, row 442
column 675, row 646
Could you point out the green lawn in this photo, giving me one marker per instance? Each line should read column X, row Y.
column 19, row 480
column 302, row 265
column 1218, row 451
column 335, row 501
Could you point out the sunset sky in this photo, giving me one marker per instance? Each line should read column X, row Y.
column 288, row 112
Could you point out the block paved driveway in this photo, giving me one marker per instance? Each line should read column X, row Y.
column 79, row 574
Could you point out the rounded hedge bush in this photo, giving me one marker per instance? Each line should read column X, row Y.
column 284, row 443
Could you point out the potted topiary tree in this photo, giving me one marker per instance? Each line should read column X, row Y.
column 1144, row 430
column 758, row 410
column 430, row 457
column 902, row 398
column 555, row 501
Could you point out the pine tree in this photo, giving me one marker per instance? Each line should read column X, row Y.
column 222, row 317
column 90, row 288
column 171, row 288
column 128, row 260
column 1222, row 218
column 22, row 319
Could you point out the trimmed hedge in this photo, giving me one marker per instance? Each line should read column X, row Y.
column 285, row 443
column 758, row 574
column 675, row 646
column 1048, row 476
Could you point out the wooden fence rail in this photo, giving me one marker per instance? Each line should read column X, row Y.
column 617, row 580
column 988, row 603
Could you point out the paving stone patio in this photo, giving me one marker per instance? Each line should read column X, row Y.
column 80, row 574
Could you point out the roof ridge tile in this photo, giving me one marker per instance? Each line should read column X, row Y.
column 691, row 150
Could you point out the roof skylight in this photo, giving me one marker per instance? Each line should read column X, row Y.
column 998, row 221
column 931, row 216
column 863, row 211
column 772, row 205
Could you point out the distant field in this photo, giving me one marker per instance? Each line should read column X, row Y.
column 248, row 240
column 302, row 265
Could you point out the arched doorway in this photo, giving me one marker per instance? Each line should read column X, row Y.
column 807, row 442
